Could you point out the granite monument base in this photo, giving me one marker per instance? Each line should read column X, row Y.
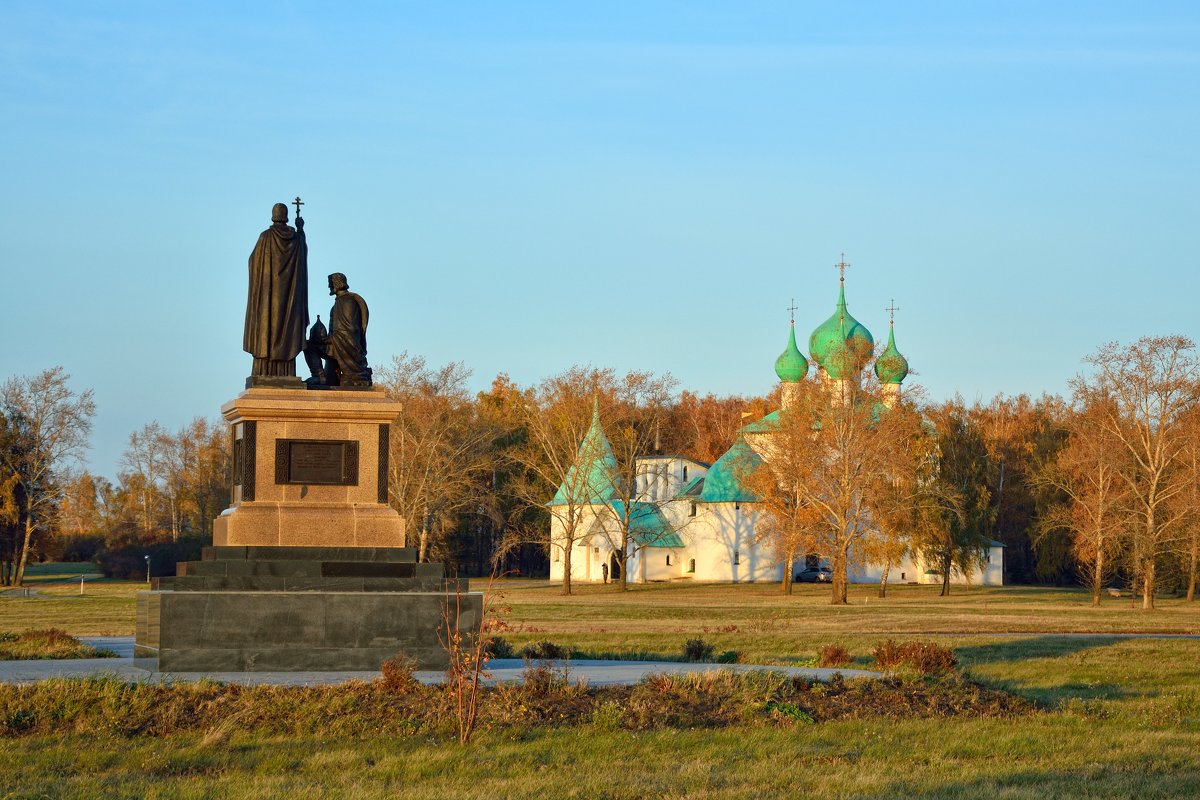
column 310, row 468
column 255, row 609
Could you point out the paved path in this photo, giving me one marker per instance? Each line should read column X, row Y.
column 503, row 670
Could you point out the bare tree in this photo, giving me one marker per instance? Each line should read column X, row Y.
column 205, row 461
column 442, row 447
column 144, row 461
column 822, row 458
column 636, row 412
column 52, row 424
column 1189, row 538
column 565, row 457
column 1152, row 384
column 1087, row 471
column 955, row 513
column 789, row 523
column 903, row 490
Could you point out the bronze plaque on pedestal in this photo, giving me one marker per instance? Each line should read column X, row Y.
column 318, row 462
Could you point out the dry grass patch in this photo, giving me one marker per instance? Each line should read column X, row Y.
column 47, row 643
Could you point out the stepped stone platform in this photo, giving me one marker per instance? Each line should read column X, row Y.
column 280, row 608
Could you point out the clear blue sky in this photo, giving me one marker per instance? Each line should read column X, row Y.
column 525, row 186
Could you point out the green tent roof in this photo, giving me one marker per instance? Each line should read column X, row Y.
column 767, row 424
column 723, row 483
column 648, row 527
column 592, row 478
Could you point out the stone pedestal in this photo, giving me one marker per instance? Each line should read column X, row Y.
column 248, row 609
column 308, row 569
column 310, row 469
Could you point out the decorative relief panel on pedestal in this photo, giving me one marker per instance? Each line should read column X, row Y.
column 385, row 440
column 244, row 470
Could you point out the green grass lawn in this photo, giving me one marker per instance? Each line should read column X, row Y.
column 1118, row 718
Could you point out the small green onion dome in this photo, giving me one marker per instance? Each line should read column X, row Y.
column 891, row 367
column 840, row 327
column 791, row 366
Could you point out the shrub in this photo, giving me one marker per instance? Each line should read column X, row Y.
column 789, row 712
column 698, row 650
column 498, row 647
column 74, row 548
column 544, row 651
column 833, row 655
column 127, row 560
column 924, row 658
column 398, row 673
column 730, row 657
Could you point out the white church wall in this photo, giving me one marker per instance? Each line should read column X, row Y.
column 590, row 549
column 660, row 478
column 721, row 540
column 656, row 564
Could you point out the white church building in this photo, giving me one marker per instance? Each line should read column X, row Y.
column 695, row 521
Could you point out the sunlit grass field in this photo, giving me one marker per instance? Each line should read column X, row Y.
column 1119, row 717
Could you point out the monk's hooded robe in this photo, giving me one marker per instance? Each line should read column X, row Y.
column 277, row 304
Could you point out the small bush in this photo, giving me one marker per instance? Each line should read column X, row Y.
column 698, row 650
column 924, row 658
column 730, row 657
column 607, row 715
column 398, row 673
column 76, row 548
column 498, row 647
column 833, row 655
column 789, row 712
column 545, row 651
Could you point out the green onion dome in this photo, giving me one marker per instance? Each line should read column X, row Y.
column 843, row 328
column 891, row 367
column 791, row 366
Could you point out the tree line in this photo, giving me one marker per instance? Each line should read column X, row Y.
column 1098, row 488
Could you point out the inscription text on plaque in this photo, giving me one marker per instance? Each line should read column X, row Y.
column 316, row 462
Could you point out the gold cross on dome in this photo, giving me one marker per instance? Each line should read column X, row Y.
column 792, row 310
column 841, row 267
column 892, row 309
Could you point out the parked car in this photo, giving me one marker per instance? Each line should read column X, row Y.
column 814, row 575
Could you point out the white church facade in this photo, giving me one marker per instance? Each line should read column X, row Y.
column 691, row 521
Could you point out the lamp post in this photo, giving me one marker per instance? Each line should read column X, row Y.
column 147, row 557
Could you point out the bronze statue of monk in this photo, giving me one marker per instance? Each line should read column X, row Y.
column 277, row 303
